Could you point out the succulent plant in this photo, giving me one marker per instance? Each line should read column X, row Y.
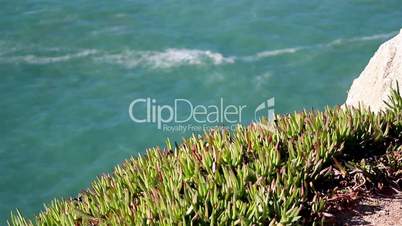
column 275, row 174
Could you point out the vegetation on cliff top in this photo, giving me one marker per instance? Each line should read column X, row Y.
column 293, row 171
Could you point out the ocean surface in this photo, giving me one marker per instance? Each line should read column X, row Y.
column 69, row 71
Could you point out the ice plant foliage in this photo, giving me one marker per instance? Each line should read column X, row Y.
column 278, row 173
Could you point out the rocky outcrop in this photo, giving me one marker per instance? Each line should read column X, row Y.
column 372, row 87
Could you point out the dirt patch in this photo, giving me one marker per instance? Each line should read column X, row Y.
column 375, row 210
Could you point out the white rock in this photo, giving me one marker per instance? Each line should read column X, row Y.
column 372, row 87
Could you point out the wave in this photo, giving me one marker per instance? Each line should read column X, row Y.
column 341, row 41
column 277, row 52
column 375, row 37
column 6, row 49
column 165, row 59
column 34, row 59
column 180, row 57
column 336, row 42
column 168, row 58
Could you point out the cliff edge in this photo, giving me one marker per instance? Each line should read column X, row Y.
column 372, row 87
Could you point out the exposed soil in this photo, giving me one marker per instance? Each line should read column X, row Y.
column 374, row 210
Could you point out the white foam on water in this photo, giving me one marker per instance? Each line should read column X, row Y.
column 6, row 48
column 278, row 52
column 375, row 37
column 171, row 57
column 340, row 41
column 34, row 59
column 166, row 59
column 270, row 53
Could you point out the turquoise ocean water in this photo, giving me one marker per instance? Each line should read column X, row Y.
column 69, row 70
